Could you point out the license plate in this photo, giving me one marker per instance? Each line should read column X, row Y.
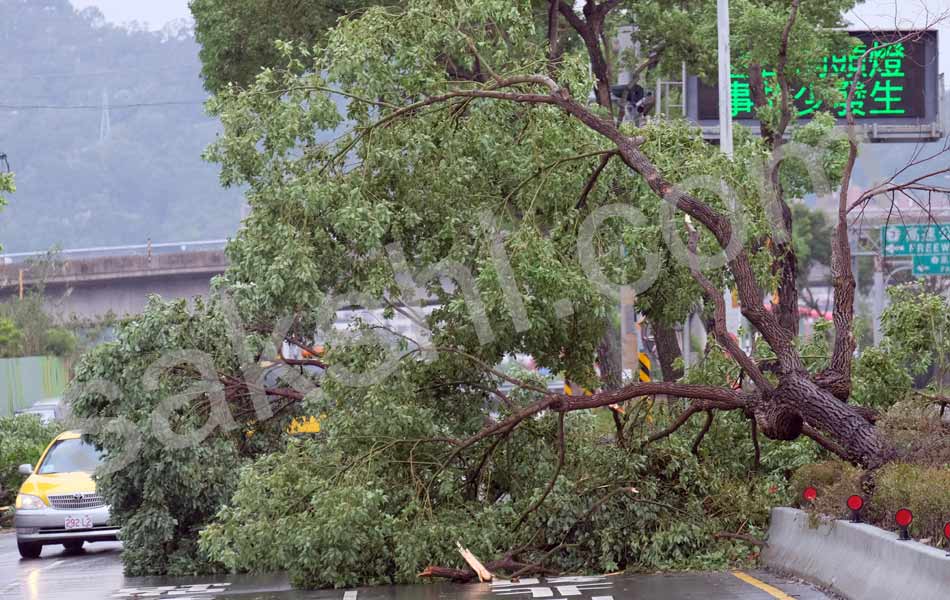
column 78, row 522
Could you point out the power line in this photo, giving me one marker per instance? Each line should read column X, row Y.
column 98, row 106
column 73, row 75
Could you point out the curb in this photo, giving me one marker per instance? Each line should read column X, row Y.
column 855, row 560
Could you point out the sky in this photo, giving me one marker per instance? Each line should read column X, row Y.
column 154, row 12
column 880, row 14
column 876, row 13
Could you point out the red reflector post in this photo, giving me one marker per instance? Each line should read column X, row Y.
column 855, row 503
column 946, row 534
column 904, row 518
column 810, row 494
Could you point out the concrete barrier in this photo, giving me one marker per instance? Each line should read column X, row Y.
column 857, row 561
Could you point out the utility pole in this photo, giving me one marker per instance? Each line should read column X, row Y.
column 733, row 314
column 105, row 122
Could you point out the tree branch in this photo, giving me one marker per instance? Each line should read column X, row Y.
column 554, row 52
column 786, row 111
column 557, row 473
column 710, row 417
column 681, row 420
column 785, row 262
column 592, row 180
column 720, row 332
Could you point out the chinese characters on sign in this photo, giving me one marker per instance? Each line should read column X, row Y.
column 891, row 82
column 935, row 264
column 913, row 240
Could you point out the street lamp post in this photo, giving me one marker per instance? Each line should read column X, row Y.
column 733, row 315
column 725, row 78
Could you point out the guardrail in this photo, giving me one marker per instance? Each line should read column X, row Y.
column 854, row 560
column 147, row 249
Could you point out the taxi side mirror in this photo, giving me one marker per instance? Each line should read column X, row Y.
column 26, row 469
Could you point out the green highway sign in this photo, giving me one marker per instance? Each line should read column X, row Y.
column 932, row 265
column 915, row 240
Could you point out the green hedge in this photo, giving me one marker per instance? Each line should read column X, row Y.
column 22, row 439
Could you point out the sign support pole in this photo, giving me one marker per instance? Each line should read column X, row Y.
column 878, row 297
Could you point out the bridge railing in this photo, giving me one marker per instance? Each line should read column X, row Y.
column 147, row 249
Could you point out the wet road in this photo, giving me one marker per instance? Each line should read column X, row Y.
column 95, row 573
column 90, row 573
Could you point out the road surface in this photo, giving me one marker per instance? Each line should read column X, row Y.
column 95, row 573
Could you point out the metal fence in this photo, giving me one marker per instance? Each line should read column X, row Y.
column 26, row 380
column 146, row 249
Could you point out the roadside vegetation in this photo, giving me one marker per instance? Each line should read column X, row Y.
column 22, row 440
column 27, row 329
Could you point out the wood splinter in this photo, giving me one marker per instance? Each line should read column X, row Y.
column 475, row 564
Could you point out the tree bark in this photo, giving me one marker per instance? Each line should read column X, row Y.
column 798, row 400
column 609, row 358
column 667, row 350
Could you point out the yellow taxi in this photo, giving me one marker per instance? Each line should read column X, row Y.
column 58, row 503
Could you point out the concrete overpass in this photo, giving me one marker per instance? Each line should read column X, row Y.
column 89, row 283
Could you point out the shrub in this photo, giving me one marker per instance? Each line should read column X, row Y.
column 11, row 338
column 920, row 488
column 834, row 480
column 22, row 440
column 923, row 490
column 918, row 432
column 60, row 342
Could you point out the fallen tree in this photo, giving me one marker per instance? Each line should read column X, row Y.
column 477, row 195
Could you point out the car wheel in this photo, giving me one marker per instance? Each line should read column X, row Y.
column 73, row 546
column 29, row 549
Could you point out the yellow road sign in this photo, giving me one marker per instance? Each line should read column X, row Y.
column 645, row 367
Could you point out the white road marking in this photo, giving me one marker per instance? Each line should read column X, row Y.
column 349, row 595
column 502, row 585
column 568, row 590
column 198, row 591
column 536, row 592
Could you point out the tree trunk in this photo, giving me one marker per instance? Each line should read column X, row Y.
column 798, row 400
column 609, row 358
column 667, row 350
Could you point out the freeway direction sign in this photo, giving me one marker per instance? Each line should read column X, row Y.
column 916, row 240
column 934, row 264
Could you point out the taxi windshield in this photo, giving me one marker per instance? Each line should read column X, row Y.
column 70, row 456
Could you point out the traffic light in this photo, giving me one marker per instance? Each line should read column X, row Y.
column 627, row 93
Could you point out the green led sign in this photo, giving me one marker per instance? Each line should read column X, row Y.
column 890, row 83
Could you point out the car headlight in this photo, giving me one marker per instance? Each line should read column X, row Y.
column 28, row 502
